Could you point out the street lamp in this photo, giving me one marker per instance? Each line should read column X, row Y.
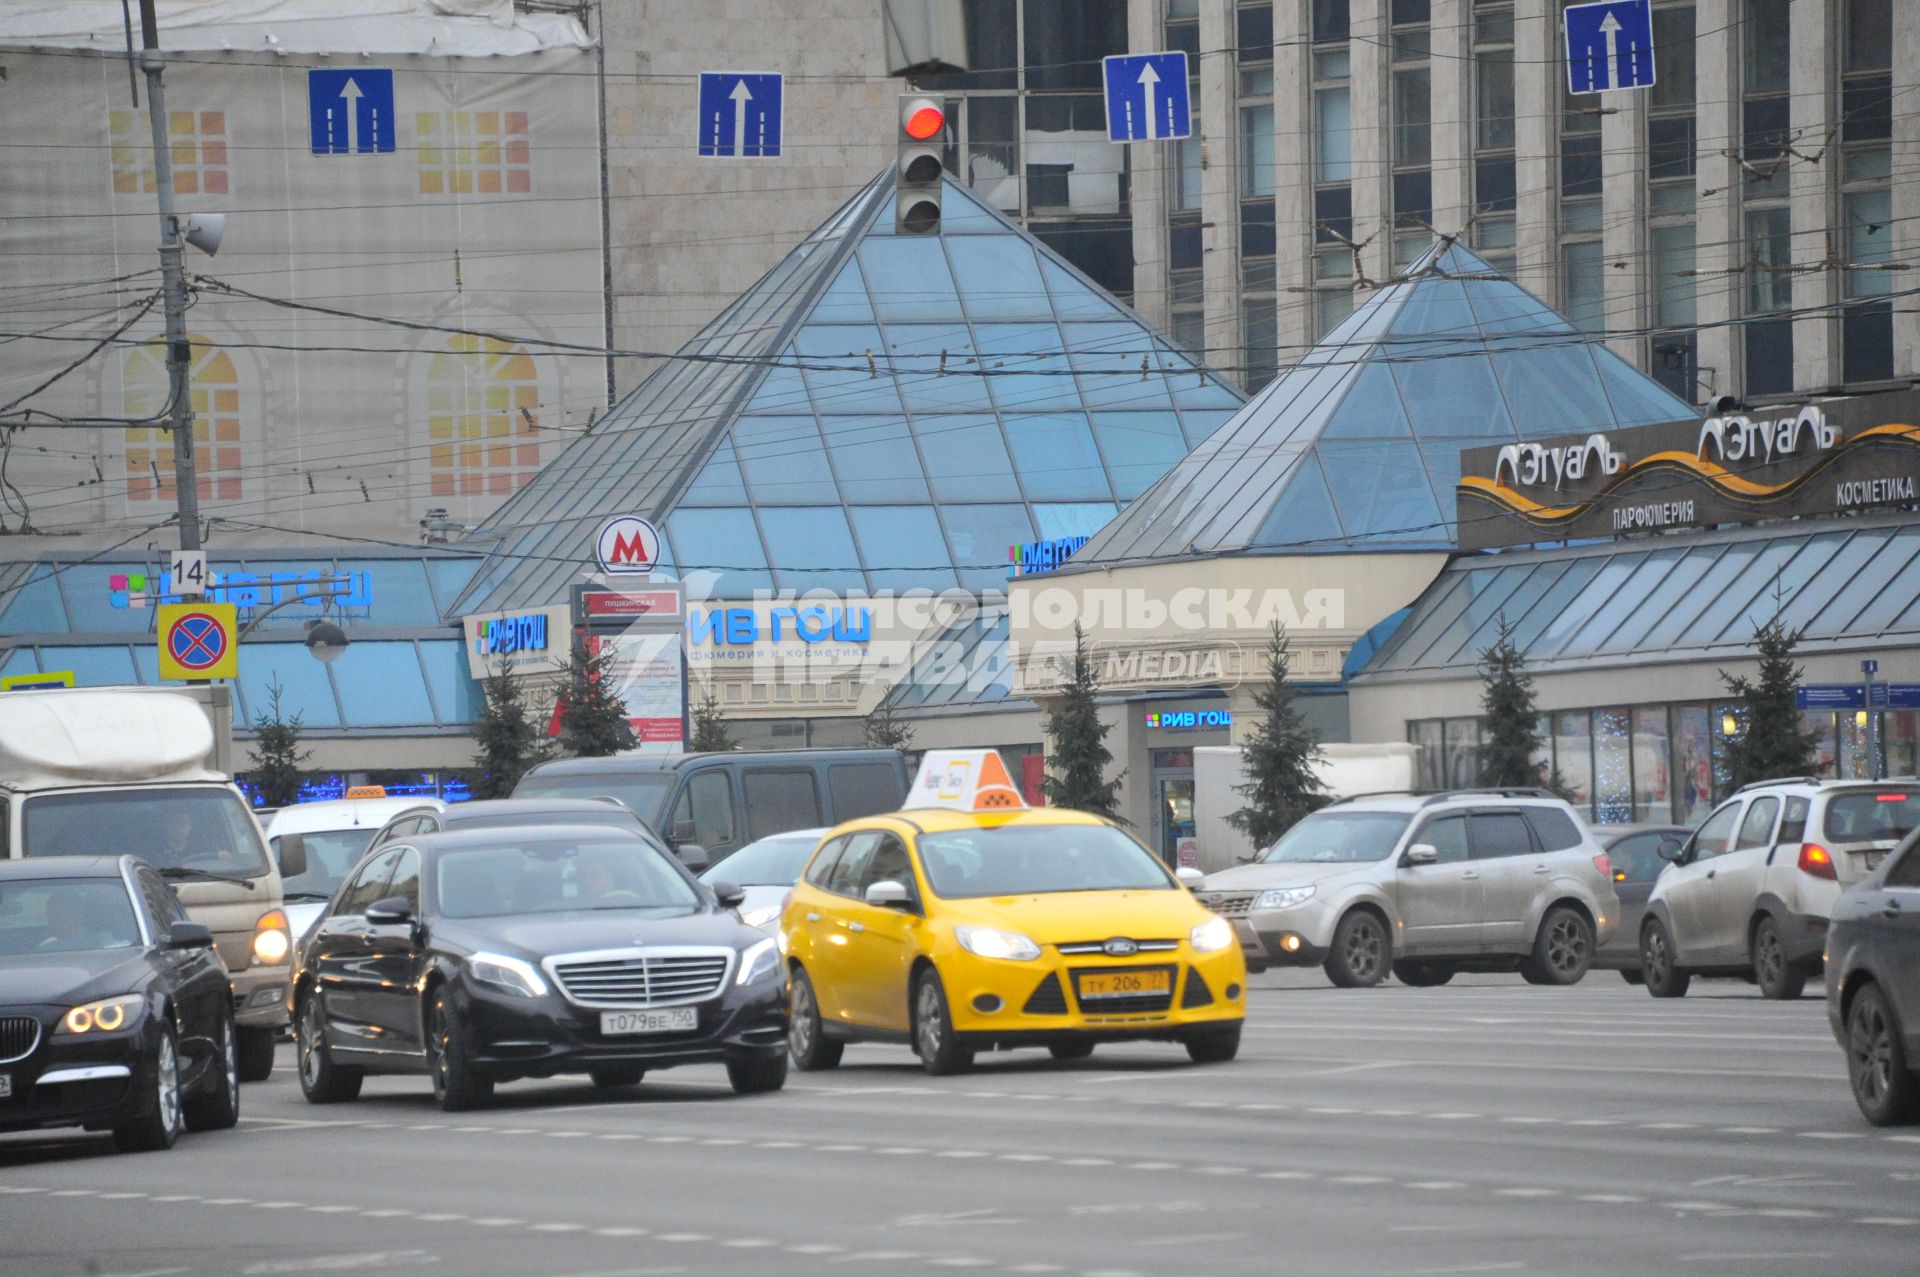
column 326, row 641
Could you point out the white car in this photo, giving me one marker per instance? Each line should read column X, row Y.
column 335, row 833
column 766, row 871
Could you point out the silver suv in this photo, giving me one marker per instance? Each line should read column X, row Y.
column 1426, row 885
column 1751, row 891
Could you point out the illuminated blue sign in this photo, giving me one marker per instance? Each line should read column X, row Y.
column 1187, row 720
column 1042, row 556
column 740, row 626
column 507, row 634
column 254, row 589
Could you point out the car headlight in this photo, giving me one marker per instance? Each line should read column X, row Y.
column 108, row 1015
column 759, row 962
column 508, row 974
column 760, row 917
column 988, row 943
column 272, row 939
column 1211, row 936
column 1283, row 898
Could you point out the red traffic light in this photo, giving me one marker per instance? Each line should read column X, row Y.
column 924, row 122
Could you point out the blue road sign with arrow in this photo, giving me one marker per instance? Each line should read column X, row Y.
column 740, row 114
column 350, row 111
column 1610, row 46
column 1147, row 97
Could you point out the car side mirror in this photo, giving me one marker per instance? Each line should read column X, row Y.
column 888, row 894
column 391, row 911
column 682, row 831
column 1421, row 853
column 189, row 935
column 731, row 895
column 292, row 850
column 693, row 856
column 1672, row 849
column 1189, row 877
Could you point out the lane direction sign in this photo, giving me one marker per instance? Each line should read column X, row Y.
column 739, row 114
column 1609, row 46
column 198, row 640
column 350, row 111
column 1147, row 97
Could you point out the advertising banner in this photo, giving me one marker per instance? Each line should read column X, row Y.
column 648, row 674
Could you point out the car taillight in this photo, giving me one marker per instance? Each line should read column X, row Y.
column 1816, row 860
column 1604, row 863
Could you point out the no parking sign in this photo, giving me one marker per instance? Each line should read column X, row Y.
column 197, row 641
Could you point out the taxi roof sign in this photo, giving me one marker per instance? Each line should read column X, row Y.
column 964, row 780
column 366, row 791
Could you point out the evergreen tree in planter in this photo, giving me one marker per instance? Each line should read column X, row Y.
column 1510, row 725
column 593, row 719
column 883, row 730
column 1077, row 754
column 1278, row 757
column 277, row 754
column 1775, row 743
column 710, row 726
column 510, row 740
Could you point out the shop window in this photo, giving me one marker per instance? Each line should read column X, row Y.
column 1652, row 757
column 1573, row 754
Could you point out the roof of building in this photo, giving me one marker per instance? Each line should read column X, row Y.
column 1357, row 447
column 1699, row 596
column 966, row 665
column 878, row 411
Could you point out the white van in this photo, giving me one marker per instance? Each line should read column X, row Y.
column 138, row 771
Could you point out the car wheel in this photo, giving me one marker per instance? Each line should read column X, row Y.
column 1562, row 951
column 321, row 1080
column 1422, row 975
column 1633, row 977
column 807, row 1040
column 1214, row 1048
column 757, row 1074
column 456, row 1085
column 1657, row 970
column 256, row 1054
column 219, row 1108
column 1778, row 979
column 611, row 1075
column 1071, row 1050
column 934, row 1040
column 1888, row 1095
column 159, row 1126
column 1361, row 952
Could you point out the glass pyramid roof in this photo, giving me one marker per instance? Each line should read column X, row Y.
column 1357, row 446
column 879, row 411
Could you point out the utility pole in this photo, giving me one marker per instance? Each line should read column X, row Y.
column 174, row 288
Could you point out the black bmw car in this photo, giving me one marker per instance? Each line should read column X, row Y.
column 114, row 1014
column 499, row 954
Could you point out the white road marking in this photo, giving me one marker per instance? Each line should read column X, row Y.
column 1505, row 1266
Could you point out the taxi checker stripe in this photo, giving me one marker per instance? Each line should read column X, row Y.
column 197, row 641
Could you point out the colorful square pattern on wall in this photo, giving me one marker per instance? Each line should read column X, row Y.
column 199, row 141
column 474, row 152
column 483, row 422
column 216, row 424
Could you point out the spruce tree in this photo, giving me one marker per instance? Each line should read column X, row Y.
column 1278, row 757
column 883, row 730
column 710, row 726
column 1510, row 740
column 1774, row 743
column 1077, row 754
column 277, row 754
column 509, row 738
column 593, row 719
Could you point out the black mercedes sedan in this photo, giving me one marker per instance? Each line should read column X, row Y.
column 1873, row 986
column 114, row 1014
column 500, row 954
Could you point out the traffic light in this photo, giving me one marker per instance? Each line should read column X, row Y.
column 916, row 180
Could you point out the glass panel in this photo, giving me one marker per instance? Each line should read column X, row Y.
column 1693, row 731
column 36, row 608
column 918, row 352
column 106, row 666
column 979, row 536
column 874, row 458
column 1766, row 45
column 812, row 549
column 456, row 695
column 305, row 689
column 449, row 577
column 1584, row 285
column 1637, row 401
column 1894, row 573
column 1673, row 55
column 1138, row 448
column 908, row 277
column 784, row 460
column 1371, row 409
column 1117, row 367
column 966, row 458
column 1557, row 384
column 1564, row 591
column 381, row 685
column 842, row 372
column 1071, row 298
column 1453, row 398
column 1071, row 519
column 1412, row 116
column 1493, row 107
column 1479, row 599
column 1462, row 746
column 20, row 660
column 1612, row 767
column 783, row 390
column 1027, row 368
column 1573, row 756
column 719, row 481
column 1200, row 425
column 902, row 547
column 1732, row 614
column 400, row 594
column 89, row 600
column 845, row 301
column 998, row 277
column 1840, row 561
column 1771, row 246
column 1333, row 135
column 1055, row 456
column 1514, row 608
column 724, row 542
column 1869, row 218
column 1381, row 491
column 1869, row 41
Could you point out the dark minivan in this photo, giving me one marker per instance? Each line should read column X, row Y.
column 722, row 802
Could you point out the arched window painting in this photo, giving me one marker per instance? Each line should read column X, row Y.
column 483, row 418
column 216, row 398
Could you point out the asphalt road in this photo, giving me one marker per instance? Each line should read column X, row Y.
column 1483, row 1127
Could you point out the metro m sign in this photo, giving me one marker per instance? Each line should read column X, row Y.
column 627, row 546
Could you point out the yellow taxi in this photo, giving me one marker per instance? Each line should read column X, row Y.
column 968, row 921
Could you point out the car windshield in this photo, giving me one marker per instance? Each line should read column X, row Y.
column 1018, row 860
column 644, row 793
column 1339, row 837
column 331, row 854
column 771, row 862
column 200, row 832
column 559, row 877
column 65, row 915
column 609, row 817
column 1884, row 815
